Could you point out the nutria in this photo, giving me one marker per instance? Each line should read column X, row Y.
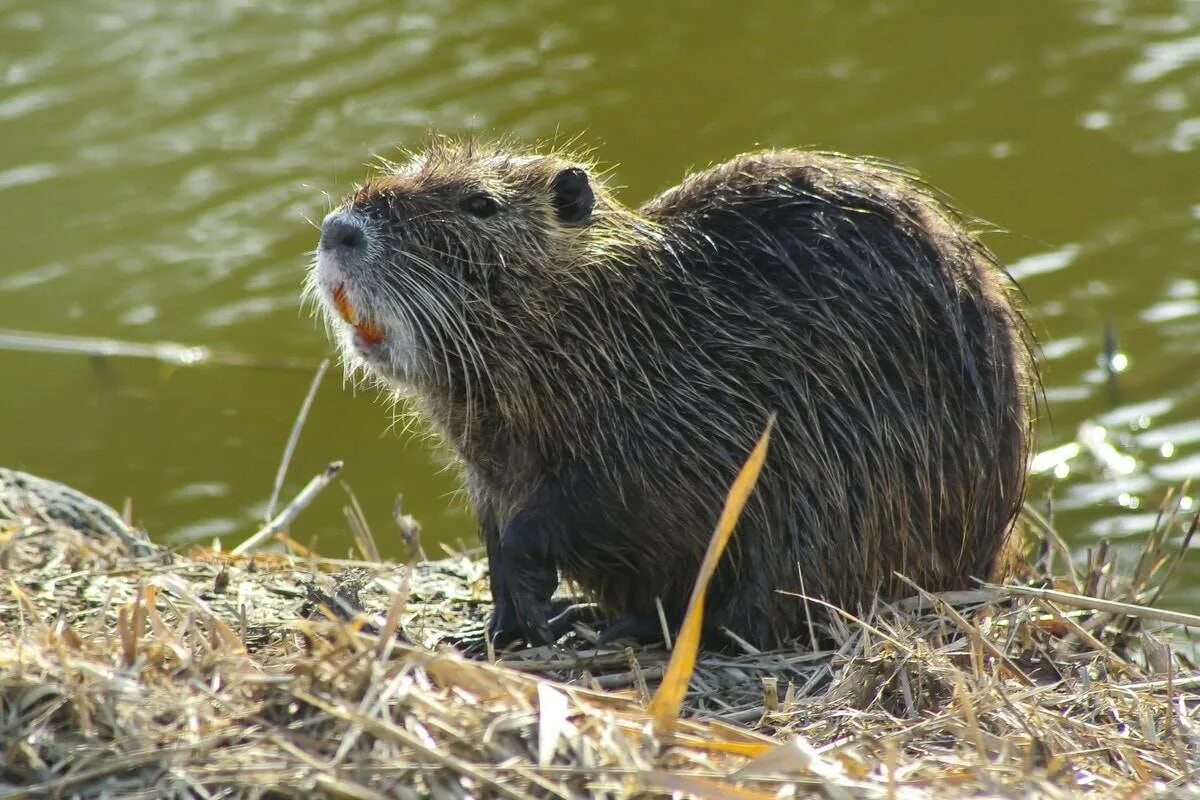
column 602, row 372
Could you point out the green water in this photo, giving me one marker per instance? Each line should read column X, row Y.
column 160, row 164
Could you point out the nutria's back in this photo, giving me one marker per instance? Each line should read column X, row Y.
column 604, row 372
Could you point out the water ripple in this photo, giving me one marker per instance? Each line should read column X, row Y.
column 162, row 161
column 26, row 174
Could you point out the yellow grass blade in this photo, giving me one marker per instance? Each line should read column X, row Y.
column 668, row 700
column 744, row 749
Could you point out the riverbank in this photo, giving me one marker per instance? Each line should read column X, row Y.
column 129, row 670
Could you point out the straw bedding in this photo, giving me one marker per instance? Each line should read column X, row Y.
column 130, row 671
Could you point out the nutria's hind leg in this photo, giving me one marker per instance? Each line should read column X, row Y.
column 638, row 628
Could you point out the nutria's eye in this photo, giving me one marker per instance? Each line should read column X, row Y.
column 481, row 205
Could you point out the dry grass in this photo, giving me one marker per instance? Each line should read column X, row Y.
column 126, row 671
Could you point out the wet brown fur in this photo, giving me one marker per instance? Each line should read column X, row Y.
column 603, row 381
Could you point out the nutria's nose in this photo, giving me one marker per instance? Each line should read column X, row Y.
column 342, row 234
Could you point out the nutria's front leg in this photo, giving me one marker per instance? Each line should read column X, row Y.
column 502, row 627
column 524, row 575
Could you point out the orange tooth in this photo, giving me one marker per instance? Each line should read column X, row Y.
column 370, row 332
column 342, row 304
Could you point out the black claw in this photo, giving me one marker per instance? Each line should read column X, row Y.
column 561, row 614
column 533, row 617
column 571, row 613
column 503, row 629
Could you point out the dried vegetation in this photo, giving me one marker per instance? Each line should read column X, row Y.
column 129, row 671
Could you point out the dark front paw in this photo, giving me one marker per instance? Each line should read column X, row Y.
column 520, row 616
column 555, row 621
column 502, row 633
column 533, row 618
column 526, row 618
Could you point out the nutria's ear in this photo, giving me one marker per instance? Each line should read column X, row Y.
column 571, row 193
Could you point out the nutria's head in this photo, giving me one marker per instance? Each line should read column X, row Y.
column 441, row 266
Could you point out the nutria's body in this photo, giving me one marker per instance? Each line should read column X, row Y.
column 603, row 372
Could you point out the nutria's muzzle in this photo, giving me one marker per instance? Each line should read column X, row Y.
column 343, row 236
column 341, row 258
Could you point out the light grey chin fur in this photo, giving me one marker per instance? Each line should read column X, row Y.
column 329, row 273
column 392, row 361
